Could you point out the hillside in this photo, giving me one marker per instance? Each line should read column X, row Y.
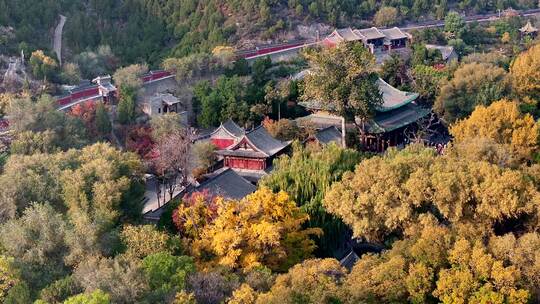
column 149, row 30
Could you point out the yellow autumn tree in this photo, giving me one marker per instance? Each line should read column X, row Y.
column 387, row 194
column 501, row 124
column 263, row 229
column 436, row 264
column 313, row 281
column 144, row 240
column 525, row 73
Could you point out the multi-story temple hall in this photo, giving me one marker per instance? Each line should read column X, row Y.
column 386, row 128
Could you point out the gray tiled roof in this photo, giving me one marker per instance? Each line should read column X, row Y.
column 329, row 135
column 349, row 260
column 394, row 33
column 347, row 34
column 233, row 128
column 228, row 184
column 388, row 121
column 392, row 97
column 370, row 33
column 264, row 142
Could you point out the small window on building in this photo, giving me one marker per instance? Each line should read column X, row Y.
column 159, row 110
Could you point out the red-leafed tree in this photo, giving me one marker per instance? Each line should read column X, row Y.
column 139, row 140
column 86, row 112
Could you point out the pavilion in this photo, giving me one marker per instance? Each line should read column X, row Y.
column 386, row 128
column 528, row 30
column 254, row 151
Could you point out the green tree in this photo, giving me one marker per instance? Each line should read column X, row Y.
column 165, row 125
column 454, row 24
column 42, row 65
column 145, row 240
column 37, row 241
column 40, row 116
column 306, row 176
column 394, row 71
column 344, row 80
column 472, row 85
column 127, row 105
column 60, row 290
column 130, row 76
column 9, row 276
column 121, row 278
column 167, row 274
column 103, row 122
column 95, row 297
column 427, row 82
column 386, row 16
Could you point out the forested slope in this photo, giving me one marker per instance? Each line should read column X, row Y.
column 147, row 30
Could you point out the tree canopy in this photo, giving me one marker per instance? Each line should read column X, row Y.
column 472, row 85
column 343, row 79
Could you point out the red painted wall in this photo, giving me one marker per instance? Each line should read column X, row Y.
column 222, row 143
column 245, row 163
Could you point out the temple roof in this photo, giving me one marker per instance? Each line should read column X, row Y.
column 392, row 99
column 231, row 128
column 165, row 98
column 349, row 260
column 370, row 33
column 394, row 34
column 328, row 135
column 446, row 50
column 347, row 34
column 528, row 28
column 227, row 184
column 384, row 122
column 262, row 143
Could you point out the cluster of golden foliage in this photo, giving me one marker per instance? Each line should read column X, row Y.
column 263, row 229
column 513, row 135
column 144, row 240
column 386, row 194
column 39, row 55
column 433, row 264
column 525, row 73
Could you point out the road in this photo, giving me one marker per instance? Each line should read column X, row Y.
column 468, row 19
column 57, row 43
column 260, row 51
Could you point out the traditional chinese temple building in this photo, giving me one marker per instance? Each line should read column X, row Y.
column 528, row 30
column 227, row 134
column 386, row 129
column 326, row 136
column 255, row 150
column 100, row 89
column 372, row 38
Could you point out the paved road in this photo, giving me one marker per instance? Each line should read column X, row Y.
column 468, row 19
column 407, row 27
column 57, row 44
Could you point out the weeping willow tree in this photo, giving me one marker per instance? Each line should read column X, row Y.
column 306, row 176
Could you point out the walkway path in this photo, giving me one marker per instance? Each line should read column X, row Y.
column 57, row 44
